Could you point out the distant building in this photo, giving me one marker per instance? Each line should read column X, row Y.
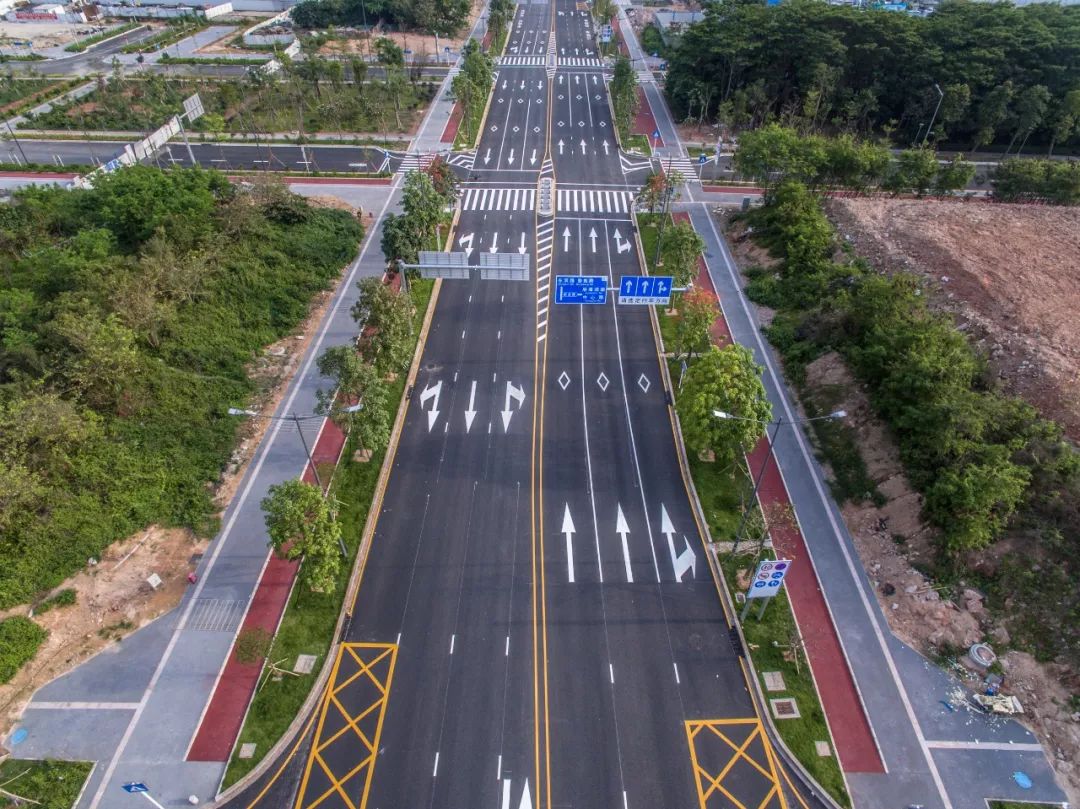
column 672, row 23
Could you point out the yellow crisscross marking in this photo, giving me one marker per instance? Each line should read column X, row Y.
column 709, row 784
column 366, row 656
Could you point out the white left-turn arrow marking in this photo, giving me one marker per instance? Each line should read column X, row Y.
column 431, row 392
column 687, row 560
column 518, row 395
column 466, row 242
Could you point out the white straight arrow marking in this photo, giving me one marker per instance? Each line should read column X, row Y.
column 561, row 144
column 540, row 85
column 568, row 529
column 470, row 414
column 504, row 84
column 510, row 159
column 594, row 79
column 487, row 157
column 518, row 395
column 429, row 392
column 494, row 243
column 605, row 147
column 592, row 237
column 526, row 797
column 687, row 560
column 577, row 79
column 583, row 145
column 522, row 87
column 623, row 530
column 560, row 79
column 566, row 239
column 532, row 160
column 521, row 247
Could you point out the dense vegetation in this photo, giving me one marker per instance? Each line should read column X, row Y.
column 1026, row 180
column 45, row 784
column 1009, row 74
column 442, row 17
column 19, row 641
column 128, row 315
column 624, row 95
column 471, row 88
column 14, row 89
column 988, row 467
column 312, row 97
column 773, row 154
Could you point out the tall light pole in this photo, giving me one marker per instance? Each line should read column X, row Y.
column 669, row 190
column 296, row 419
column 776, row 425
column 941, row 97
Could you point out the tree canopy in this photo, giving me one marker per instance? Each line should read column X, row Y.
column 1007, row 74
column 302, row 525
column 129, row 316
column 442, row 17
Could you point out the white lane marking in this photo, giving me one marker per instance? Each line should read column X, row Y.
column 956, row 745
column 398, row 638
column 625, row 805
column 568, row 529
column 498, row 768
column 585, row 424
column 435, row 771
column 452, row 639
column 623, row 530
column 611, row 673
column 506, row 653
column 676, row 665
column 83, row 706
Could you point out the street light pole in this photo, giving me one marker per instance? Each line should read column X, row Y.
column 668, row 191
column 941, row 97
column 720, row 414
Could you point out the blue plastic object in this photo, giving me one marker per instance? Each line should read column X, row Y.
column 1022, row 780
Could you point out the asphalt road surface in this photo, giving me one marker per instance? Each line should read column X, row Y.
column 537, row 625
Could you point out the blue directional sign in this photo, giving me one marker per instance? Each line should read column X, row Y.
column 580, row 289
column 135, row 786
column 656, row 134
column 645, row 289
column 703, row 158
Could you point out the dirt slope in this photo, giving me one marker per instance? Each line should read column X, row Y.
column 1009, row 273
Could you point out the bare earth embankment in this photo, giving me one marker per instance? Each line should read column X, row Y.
column 1010, row 274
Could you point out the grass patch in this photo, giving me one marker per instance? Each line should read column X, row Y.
column 212, row 60
column 19, row 641
column 83, row 44
column 778, row 627
column 65, row 598
column 637, row 142
column 49, row 784
column 178, row 28
column 309, row 620
column 242, row 106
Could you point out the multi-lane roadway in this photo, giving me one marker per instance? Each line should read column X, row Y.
column 537, row 624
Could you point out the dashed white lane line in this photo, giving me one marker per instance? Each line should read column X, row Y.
column 611, row 673
column 507, row 652
column 676, row 665
column 435, row 771
column 452, row 638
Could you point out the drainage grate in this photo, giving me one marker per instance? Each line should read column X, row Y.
column 216, row 615
column 736, row 644
column 784, row 708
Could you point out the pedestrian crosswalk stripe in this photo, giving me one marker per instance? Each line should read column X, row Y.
column 521, row 61
column 573, row 61
column 572, row 200
column 683, row 165
column 499, row 199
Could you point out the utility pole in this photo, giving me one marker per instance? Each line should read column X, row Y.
column 669, row 190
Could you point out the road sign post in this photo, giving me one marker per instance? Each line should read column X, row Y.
column 581, row 289
column 766, row 583
column 648, row 290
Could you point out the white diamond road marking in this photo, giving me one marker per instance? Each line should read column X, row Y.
column 564, row 380
column 494, row 127
column 643, row 383
column 603, row 381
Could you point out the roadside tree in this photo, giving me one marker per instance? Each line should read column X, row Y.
column 301, row 524
column 355, row 381
column 724, row 379
column 698, row 310
column 385, row 319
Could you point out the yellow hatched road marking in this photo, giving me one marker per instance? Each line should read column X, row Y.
column 365, row 669
column 708, row 784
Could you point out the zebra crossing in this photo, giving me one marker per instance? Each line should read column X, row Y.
column 521, row 61
column 552, row 58
column 684, row 165
column 545, row 240
column 414, row 161
column 499, row 199
column 572, row 200
column 644, row 76
column 579, row 61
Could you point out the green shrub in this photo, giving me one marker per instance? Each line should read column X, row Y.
column 19, row 641
column 65, row 598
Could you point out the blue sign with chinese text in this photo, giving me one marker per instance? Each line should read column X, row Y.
column 580, row 289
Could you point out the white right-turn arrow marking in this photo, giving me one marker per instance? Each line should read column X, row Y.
column 687, row 560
